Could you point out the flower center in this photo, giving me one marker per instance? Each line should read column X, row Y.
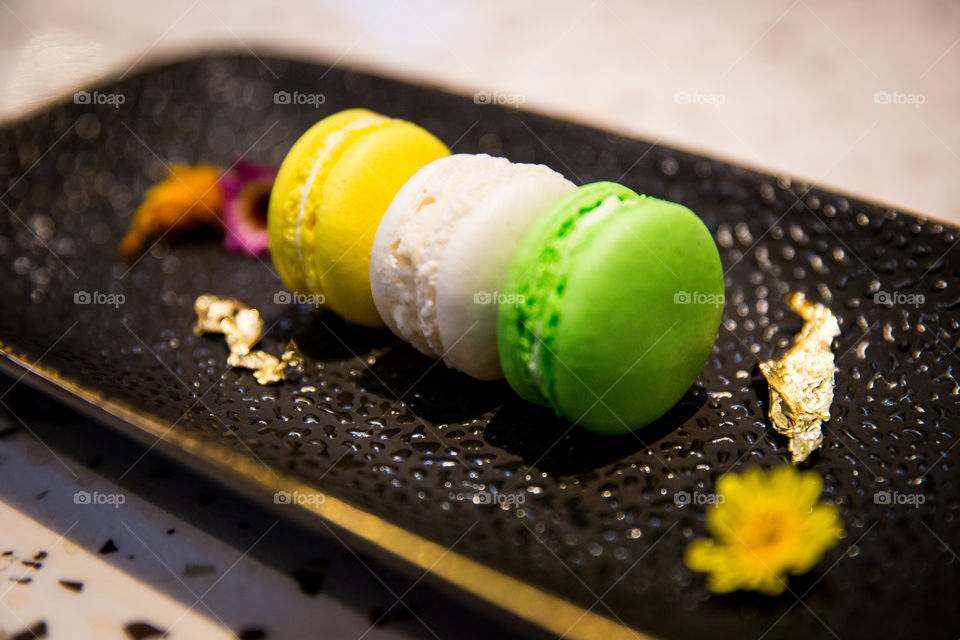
column 767, row 533
column 256, row 201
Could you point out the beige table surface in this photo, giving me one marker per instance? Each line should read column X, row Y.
column 789, row 86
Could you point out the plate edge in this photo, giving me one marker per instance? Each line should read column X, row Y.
column 546, row 610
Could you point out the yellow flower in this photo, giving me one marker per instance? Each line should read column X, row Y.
column 765, row 524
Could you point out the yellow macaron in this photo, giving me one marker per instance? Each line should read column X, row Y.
column 329, row 196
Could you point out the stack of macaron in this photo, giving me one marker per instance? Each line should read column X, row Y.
column 596, row 301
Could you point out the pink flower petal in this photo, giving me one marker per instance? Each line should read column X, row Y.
column 246, row 193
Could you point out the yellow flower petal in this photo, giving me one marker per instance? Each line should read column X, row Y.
column 771, row 585
column 701, row 555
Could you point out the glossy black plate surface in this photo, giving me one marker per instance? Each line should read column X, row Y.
column 378, row 425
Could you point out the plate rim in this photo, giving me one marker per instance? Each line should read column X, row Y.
column 239, row 472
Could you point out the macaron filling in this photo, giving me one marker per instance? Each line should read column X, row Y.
column 331, row 148
column 538, row 316
column 459, row 205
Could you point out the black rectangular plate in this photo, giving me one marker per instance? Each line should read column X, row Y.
column 377, row 429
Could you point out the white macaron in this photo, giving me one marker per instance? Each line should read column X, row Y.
column 443, row 249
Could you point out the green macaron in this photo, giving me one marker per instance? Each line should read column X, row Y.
column 618, row 299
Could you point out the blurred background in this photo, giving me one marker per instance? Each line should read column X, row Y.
column 862, row 96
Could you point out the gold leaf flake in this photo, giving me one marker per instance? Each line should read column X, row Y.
column 291, row 355
column 242, row 327
column 801, row 380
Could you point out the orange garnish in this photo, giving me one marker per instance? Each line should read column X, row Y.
column 190, row 197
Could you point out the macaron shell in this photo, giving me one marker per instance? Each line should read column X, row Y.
column 406, row 255
column 625, row 348
column 533, row 276
column 356, row 194
column 314, row 195
column 285, row 219
column 392, row 265
column 457, row 208
column 475, row 263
